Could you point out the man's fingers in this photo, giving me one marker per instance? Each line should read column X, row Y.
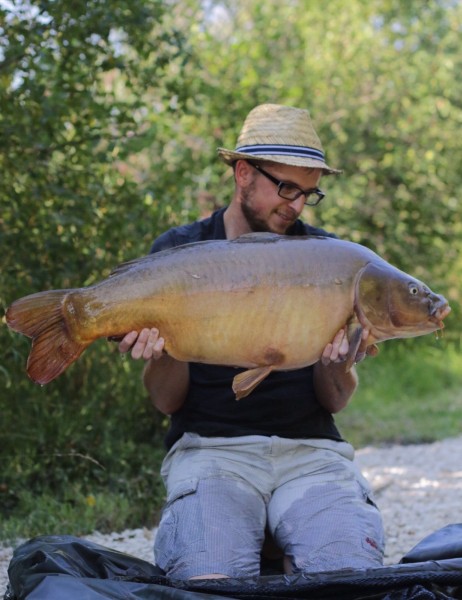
column 154, row 345
column 325, row 358
column 338, row 346
column 335, row 349
column 343, row 347
column 128, row 341
column 362, row 350
column 140, row 344
column 147, row 344
column 363, row 344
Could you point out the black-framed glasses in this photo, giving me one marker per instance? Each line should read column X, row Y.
column 291, row 191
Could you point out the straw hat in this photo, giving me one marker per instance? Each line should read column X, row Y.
column 279, row 134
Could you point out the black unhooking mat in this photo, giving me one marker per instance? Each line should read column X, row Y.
column 68, row 568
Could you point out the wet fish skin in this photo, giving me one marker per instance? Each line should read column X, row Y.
column 263, row 302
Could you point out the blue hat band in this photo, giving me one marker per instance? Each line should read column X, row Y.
column 283, row 150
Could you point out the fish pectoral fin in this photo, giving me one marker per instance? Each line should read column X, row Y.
column 355, row 332
column 357, row 345
column 246, row 382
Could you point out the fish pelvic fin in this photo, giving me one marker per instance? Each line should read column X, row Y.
column 40, row 317
column 246, row 382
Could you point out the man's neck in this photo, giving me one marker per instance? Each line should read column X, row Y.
column 235, row 222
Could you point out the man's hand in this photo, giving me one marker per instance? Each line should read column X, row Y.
column 165, row 379
column 337, row 350
column 334, row 386
column 146, row 344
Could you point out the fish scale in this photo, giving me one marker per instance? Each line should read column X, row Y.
column 262, row 301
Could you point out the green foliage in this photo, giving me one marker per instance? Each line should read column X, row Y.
column 73, row 91
column 111, row 113
column 73, row 82
column 409, row 393
column 82, row 436
column 381, row 83
column 380, row 80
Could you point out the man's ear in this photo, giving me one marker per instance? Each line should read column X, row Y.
column 243, row 173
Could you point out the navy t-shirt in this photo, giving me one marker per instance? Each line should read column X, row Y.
column 284, row 404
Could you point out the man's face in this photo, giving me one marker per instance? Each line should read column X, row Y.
column 261, row 205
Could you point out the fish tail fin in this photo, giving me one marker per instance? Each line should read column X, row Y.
column 41, row 317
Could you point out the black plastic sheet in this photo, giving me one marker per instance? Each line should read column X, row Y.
column 69, row 568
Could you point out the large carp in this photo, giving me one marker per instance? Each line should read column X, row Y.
column 262, row 301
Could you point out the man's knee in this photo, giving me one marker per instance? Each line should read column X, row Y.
column 211, row 527
column 332, row 526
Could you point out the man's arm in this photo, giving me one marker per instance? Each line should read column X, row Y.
column 333, row 386
column 166, row 379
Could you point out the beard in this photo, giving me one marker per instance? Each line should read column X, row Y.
column 256, row 222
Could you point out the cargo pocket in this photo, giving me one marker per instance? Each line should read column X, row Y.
column 373, row 540
column 177, row 534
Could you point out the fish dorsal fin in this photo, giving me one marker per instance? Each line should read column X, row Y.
column 129, row 264
column 246, row 382
column 259, row 236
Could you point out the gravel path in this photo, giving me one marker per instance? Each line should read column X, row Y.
column 418, row 489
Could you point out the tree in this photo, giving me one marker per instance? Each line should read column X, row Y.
column 111, row 115
column 380, row 80
column 75, row 79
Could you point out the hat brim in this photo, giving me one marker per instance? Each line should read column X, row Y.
column 230, row 157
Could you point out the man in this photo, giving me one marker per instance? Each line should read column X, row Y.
column 275, row 460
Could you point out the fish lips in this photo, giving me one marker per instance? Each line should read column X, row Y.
column 438, row 309
column 440, row 312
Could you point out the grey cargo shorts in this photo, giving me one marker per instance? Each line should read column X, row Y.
column 223, row 492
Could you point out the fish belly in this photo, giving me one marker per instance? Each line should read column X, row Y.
column 288, row 328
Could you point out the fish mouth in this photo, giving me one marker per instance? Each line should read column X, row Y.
column 438, row 314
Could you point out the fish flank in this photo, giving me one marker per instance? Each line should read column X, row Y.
column 261, row 303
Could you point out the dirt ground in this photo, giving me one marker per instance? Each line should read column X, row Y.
column 418, row 489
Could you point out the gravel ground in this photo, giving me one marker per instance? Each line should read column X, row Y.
column 418, row 489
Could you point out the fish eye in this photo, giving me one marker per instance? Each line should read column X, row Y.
column 413, row 289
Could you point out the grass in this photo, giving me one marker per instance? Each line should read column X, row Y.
column 78, row 514
column 410, row 393
column 114, row 503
